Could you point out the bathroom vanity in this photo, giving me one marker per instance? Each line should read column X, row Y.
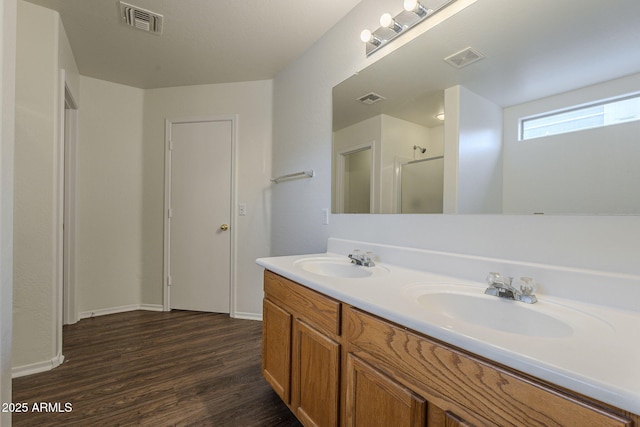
column 343, row 355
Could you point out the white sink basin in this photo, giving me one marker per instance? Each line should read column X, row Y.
column 461, row 306
column 337, row 267
column 495, row 313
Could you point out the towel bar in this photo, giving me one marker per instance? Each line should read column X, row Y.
column 303, row 174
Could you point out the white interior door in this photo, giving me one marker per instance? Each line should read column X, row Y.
column 200, row 213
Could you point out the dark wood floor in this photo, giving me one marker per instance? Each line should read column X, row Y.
column 156, row 369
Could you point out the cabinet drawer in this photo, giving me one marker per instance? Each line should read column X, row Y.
column 453, row 378
column 316, row 309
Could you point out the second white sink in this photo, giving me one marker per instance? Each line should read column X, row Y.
column 496, row 313
column 460, row 306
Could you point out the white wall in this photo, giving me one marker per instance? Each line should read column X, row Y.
column 573, row 172
column 302, row 121
column 252, row 102
column 121, row 188
column 109, row 247
column 479, row 155
column 67, row 62
column 7, row 134
column 473, row 153
column 36, row 338
column 302, row 139
column 366, row 132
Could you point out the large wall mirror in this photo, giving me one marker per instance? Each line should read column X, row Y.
column 536, row 58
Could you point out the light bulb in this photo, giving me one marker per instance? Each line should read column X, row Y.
column 415, row 7
column 386, row 20
column 410, row 5
column 368, row 37
column 365, row 36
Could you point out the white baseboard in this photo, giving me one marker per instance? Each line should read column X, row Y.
column 35, row 368
column 121, row 309
column 247, row 316
column 151, row 307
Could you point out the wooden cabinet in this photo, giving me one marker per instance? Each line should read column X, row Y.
column 276, row 356
column 374, row 399
column 463, row 389
column 332, row 364
column 301, row 350
column 315, row 374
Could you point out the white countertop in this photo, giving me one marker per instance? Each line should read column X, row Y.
column 600, row 358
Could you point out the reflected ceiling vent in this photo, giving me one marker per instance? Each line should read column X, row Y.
column 141, row 19
column 464, row 57
column 371, row 98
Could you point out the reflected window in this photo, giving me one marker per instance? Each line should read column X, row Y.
column 602, row 113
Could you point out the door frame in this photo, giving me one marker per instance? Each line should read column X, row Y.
column 70, row 185
column 64, row 301
column 233, row 118
column 339, row 170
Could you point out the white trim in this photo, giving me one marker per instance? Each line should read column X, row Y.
column 396, row 200
column 234, row 214
column 248, row 316
column 165, row 215
column 70, row 116
column 36, row 368
column 150, row 307
column 58, row 217
column 233, row 118
column 121, row 309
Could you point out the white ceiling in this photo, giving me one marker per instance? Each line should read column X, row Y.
column 203, row 41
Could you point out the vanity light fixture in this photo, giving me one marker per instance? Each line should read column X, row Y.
column 392, row 26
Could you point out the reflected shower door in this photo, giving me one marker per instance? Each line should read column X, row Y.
column 421, row 186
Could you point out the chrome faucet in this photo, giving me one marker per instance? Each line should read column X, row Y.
column 503, row 288
column 359, row 258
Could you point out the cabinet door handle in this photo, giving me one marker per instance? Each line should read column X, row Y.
column 224, row 227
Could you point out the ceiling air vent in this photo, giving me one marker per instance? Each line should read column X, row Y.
column 141, row 19
column 371, row 98
column 464, row 57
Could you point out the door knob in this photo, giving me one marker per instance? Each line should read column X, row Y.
column 224, row 227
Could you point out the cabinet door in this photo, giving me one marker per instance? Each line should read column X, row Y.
column 374, row 399
column 276, row 349
column 452, row 420
column 315, row 376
